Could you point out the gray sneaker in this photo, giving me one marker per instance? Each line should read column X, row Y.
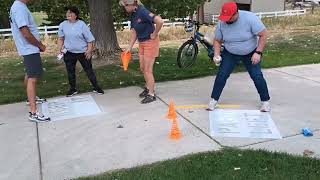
column 144, row 93
column 37, row 117
column 148, row 99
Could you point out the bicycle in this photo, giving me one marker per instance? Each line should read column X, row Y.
column 188, row 52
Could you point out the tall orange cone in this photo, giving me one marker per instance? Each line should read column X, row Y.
column 175, row 131
column 125, row 58
column 172, row 112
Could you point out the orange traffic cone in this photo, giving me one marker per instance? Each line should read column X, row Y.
column 175, row 131
column 125, row 57
column 172, row 112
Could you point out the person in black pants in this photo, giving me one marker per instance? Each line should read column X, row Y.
column 76, row 38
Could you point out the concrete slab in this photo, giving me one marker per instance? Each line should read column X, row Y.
column 14, row 113
column 310, row 71
column 293, row 145
column 290, row 111
column 18, row 152
column 91, row 145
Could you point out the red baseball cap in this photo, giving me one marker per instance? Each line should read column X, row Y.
column 228, row 10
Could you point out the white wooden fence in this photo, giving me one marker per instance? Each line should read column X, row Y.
column 274, row 14
column 49, row 30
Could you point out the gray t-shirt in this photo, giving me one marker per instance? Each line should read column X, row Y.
column 76, row 36
column 241, row 37
column 20, row 16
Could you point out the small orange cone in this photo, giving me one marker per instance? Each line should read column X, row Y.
column 175, row 131
column 125, row 58
column 172, row 112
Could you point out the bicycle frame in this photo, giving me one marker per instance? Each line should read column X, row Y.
column 198, row 37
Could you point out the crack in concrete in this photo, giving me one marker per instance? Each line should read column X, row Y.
column 198, row 128
column 271, row 140
column 225, row 146
column 301, row 77
column 39, row 152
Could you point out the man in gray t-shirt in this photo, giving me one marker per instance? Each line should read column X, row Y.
column 27, row 40
column 244, row 37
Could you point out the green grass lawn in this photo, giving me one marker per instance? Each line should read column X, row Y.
column 224, row 165
column 299, row 50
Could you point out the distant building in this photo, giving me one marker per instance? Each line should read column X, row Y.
column 214, row 6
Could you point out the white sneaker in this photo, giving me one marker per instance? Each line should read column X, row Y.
column 212, row 105
column 37, row 117
column 265, row 106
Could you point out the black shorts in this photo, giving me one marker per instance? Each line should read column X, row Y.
column 33, row 65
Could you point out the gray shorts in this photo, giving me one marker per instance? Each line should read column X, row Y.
column 33, row 65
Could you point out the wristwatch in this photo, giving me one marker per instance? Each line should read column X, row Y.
column 259, row 52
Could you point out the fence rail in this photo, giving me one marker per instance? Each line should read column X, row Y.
column 49, row 30
column 274, row 14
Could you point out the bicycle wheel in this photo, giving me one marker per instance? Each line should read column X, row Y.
column 187, row 54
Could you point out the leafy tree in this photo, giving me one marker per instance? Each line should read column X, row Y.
column 104, row 12
column 4, row 13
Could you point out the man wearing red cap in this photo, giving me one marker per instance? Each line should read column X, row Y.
column 244, row 37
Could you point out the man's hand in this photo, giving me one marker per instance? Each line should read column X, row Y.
column 256, row 58
column 42, row 47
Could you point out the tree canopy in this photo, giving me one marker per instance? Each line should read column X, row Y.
column 55, row 9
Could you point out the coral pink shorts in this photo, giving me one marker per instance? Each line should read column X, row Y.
column 150, row 48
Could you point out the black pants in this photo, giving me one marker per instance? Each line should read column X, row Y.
column 70, row 60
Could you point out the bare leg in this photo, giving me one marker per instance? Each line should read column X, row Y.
column 31, row 92
column 141, row 60
column 148, row 74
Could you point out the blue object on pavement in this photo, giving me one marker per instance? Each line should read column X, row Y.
column 307, row 132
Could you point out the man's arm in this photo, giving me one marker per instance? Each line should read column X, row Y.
column 263, row 36
column 31, row 39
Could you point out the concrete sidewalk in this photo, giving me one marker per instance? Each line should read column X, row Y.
column 92, row 145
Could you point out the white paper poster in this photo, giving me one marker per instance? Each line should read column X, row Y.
column 242, row 123
column 70, row 107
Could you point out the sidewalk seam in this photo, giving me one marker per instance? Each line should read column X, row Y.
column 301, row 77
column 39, row 152
column 285, row 137
column 199, row 129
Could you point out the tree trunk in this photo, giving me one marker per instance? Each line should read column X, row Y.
column 200, row 14
column 102, row 27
